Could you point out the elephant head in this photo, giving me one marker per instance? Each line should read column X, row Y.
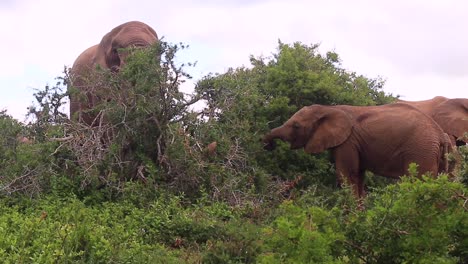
column 315, row 128
column 111, row 52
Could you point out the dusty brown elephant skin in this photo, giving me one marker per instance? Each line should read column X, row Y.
column 108, row 55
column 450, row 114
column 382, row 139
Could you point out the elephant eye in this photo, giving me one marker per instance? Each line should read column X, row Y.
column 296, row 125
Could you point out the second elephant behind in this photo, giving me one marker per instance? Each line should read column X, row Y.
column 450, row 114
column 382, row 139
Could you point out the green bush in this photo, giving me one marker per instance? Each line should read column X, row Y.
column 67, row 230
column 26, row 165
column 238, row 243
column 462, row 167
column 413, row 221
column 301, row 235
column 416, row 220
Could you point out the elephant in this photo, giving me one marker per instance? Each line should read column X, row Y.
column 450, row 114
column 382, row 139
column 210, row 150
column 109, row 54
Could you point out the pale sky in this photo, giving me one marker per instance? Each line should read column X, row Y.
column 420, row 47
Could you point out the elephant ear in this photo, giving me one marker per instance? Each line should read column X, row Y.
column 331, row 130
column 452, row 117
column 112, row 58
column 107, row 55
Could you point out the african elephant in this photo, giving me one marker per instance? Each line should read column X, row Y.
column 450, row 114
column 382, row 139
column 108, row 54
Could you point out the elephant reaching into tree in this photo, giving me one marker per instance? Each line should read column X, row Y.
column 108, row 54
column 382, row 139
column 450, row 114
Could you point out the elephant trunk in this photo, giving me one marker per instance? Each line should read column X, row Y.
column 269, row 139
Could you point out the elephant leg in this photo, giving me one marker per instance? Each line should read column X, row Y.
column 348, row 169
column 426, row 163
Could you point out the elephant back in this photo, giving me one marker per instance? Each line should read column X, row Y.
column 426, row 106
column 79, row 74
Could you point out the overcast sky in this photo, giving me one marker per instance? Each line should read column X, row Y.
column 420, row 47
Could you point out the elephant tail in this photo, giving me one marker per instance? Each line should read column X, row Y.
column 446, row 160
column 447, row 148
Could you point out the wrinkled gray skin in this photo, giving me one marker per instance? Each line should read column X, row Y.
column 382, row 139
column 450, row 114
column 108, row 55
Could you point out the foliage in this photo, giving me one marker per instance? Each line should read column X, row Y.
column 246, row 102
column 462, row 160
column 10, row 130
column 137, row 106
column 416, row 220
column 298, row 75
column 47, row 110
column 67, row 231
column 413, row 221
column 25, row 164
column 239, row 243
column 302, row 235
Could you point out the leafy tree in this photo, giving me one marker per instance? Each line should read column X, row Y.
column 138, row 106
column 10, row 130
column 46, row 111
column 24, row 167
column 246, row 102
column 298, row 75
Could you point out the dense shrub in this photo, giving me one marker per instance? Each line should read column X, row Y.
column 301, row 235
column 239, row 243
column 414, row 221
column 462, row 163
column 26, row 164
column 67, row 230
